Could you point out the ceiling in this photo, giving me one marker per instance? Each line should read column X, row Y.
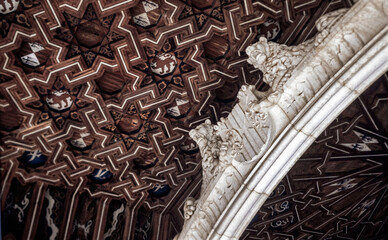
column 97, row 98
column 338, row 188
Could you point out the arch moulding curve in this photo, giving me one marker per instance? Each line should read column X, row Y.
column 247, row 154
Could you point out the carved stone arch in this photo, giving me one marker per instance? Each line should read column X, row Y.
column 342, row 62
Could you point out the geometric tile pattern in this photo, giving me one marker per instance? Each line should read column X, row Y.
column 338, row 188
column 97, row 98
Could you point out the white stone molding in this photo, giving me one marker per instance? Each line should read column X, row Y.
column 247, row 154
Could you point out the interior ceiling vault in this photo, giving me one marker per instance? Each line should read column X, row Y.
column 97, row 98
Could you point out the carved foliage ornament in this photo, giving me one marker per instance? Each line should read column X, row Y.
column 219, row 146
column 277, row 61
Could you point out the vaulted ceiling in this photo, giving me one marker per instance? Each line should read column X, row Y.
column 97, row 98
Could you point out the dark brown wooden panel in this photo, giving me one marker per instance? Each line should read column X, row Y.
column 97, row 98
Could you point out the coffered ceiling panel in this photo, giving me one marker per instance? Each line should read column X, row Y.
column 97, row 98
